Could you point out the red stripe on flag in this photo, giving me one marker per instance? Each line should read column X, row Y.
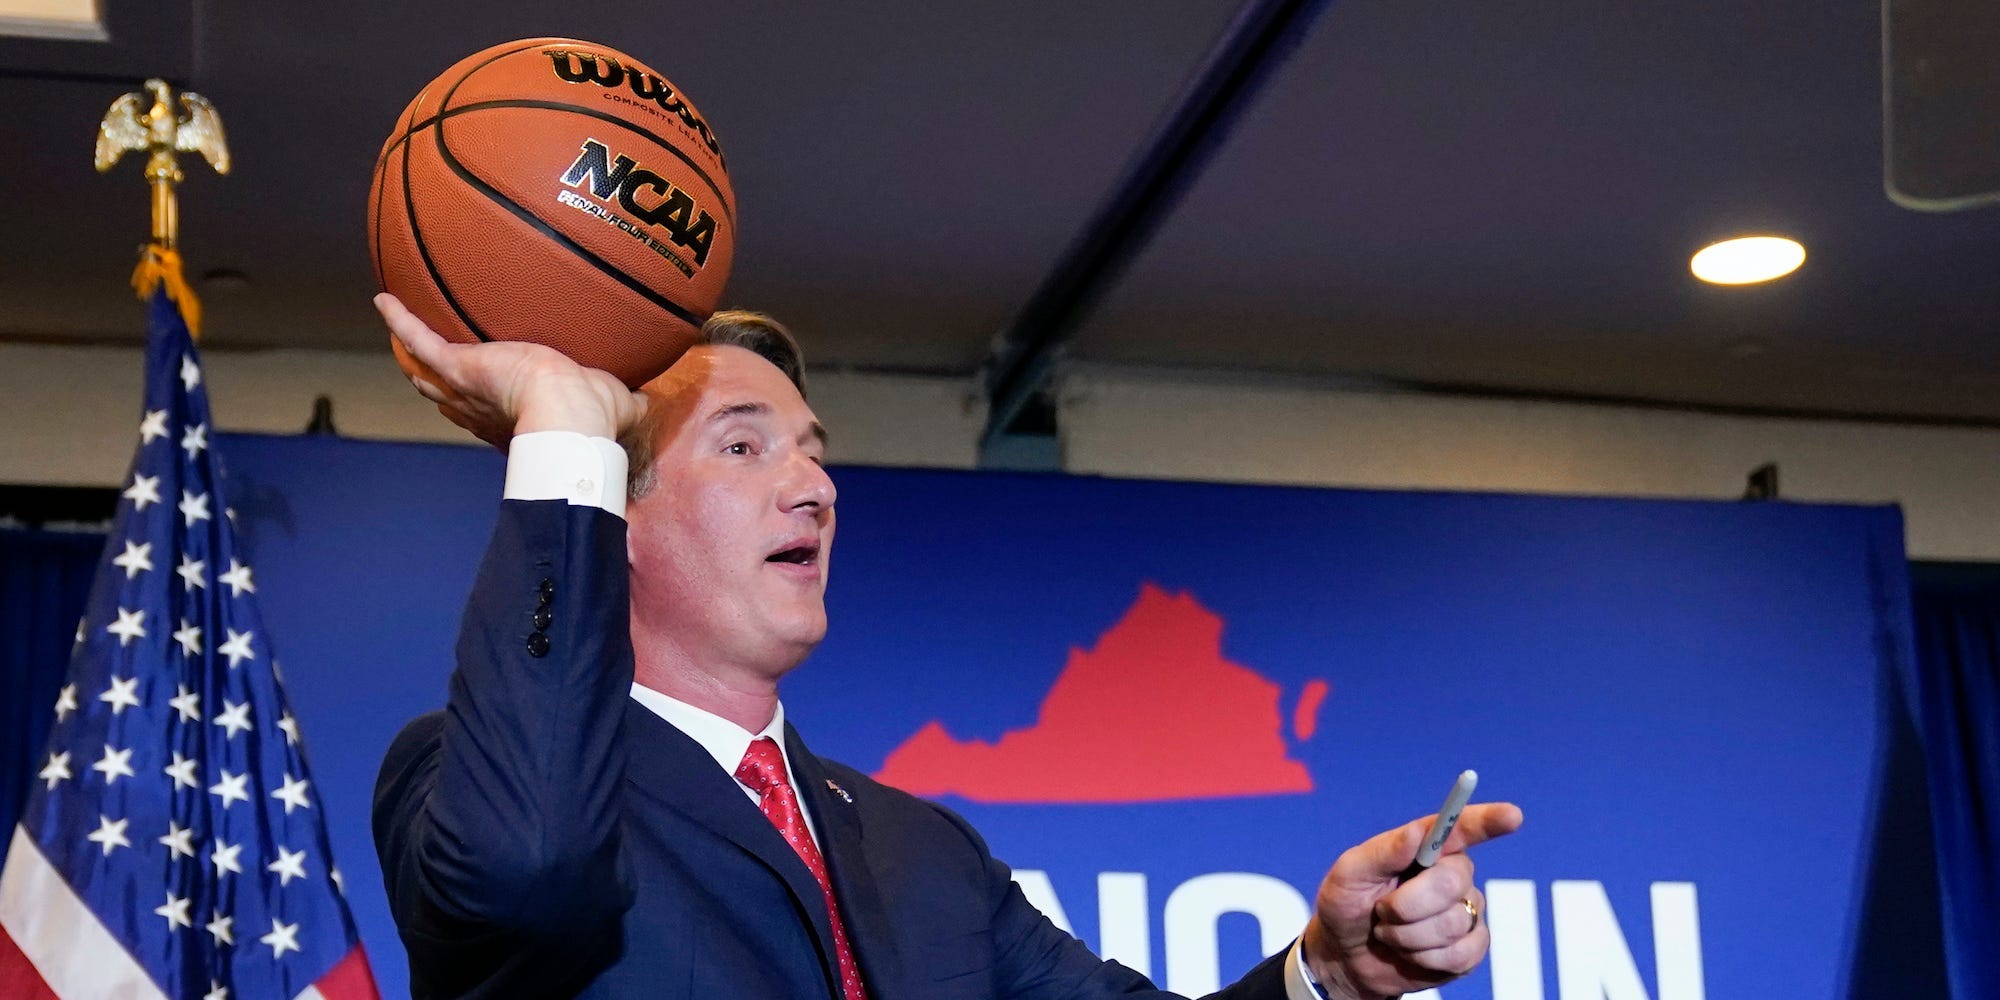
column 19, row 979
column 349, row 980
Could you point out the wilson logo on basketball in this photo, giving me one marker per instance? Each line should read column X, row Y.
column 592, row 67
column 675, row 211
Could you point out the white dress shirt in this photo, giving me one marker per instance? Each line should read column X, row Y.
column 724, row 740
column 591, row 472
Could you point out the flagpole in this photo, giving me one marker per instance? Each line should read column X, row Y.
column 148, row 122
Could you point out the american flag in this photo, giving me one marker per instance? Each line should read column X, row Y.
column 175, row 845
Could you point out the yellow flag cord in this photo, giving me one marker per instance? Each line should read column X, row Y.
column 158, row 265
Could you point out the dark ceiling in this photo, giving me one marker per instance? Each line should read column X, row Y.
column 1468, row 195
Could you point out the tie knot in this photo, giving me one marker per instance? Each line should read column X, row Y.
column 763, row 766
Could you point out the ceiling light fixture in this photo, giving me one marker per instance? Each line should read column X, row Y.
column 1748, row 260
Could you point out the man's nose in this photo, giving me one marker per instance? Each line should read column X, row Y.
column 807, row 486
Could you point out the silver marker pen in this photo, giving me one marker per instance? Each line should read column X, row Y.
column 1447, row 817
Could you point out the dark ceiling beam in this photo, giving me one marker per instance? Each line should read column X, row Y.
column 1256, row 42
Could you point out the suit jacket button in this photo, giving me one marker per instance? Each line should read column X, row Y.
column 538, row 645
column 547, row 588
column 543, row 618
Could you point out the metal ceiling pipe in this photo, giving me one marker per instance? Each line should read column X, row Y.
column 1257, row 41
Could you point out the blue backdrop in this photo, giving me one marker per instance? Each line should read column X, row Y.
column 1685, row 697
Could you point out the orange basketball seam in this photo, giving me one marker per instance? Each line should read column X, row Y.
column 537, row 222
column 375, row 232
column 445, row 108
column 417, row 237
column 526, row 44
column 375, row 227
column 728, row 209
column 375, row 205
column 521, row 212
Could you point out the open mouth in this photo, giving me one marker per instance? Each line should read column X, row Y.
column 805, row 554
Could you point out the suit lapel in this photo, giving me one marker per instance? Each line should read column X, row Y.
column 680, row 773
column 841, row 841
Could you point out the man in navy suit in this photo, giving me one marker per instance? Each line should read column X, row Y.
column 612, row 803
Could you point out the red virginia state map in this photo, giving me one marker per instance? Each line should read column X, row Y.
column 1152, row 713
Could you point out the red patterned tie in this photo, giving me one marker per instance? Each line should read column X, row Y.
column 763, row 769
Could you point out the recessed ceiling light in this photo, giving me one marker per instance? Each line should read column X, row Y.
column 1748, row 260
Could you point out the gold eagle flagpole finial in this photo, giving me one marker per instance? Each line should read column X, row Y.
column 148, row 122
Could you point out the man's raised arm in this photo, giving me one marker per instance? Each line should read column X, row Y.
column 498, row 822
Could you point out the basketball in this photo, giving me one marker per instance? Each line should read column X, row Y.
column 560, row 192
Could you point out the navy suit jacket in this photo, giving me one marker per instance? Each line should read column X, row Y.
column 547, row 836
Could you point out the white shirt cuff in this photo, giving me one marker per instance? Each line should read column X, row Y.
column 564, row 465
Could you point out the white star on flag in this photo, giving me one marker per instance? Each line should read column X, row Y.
column 191, row 572
column 56, row 770
column 195, row 440
column 216, row 991
column 224, row 857
column 110, row 834
column 122, row 694
column 136, row 559
column 219, row 929
column 189, row 636
column 175, row 909
column 129, row 626
column 179, row 842
column 82, row 629
column 188, row 703
column 144, row 490
column 190, row 373
column 114, row 764
column 65, row 702
column 238, row 578
column 283, row 938
column 292, row 793
column 237, row 648
column 193, row 508
column 154, row 426
column 182, row 771
column 234, row 717
column 290, row 726
column 231, row 788
column 290, row 865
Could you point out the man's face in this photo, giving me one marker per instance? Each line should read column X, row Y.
column 729, row 548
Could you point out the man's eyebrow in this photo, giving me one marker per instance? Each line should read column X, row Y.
column 744, row 409
column 752, row 408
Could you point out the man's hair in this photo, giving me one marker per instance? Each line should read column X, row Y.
column 754, row 332
column 760, row 335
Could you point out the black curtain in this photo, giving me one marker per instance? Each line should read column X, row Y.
column 44, row 581
column 1955, row 693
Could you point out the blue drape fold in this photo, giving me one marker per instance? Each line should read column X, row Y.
column 1955, row 692
column 44, row 579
